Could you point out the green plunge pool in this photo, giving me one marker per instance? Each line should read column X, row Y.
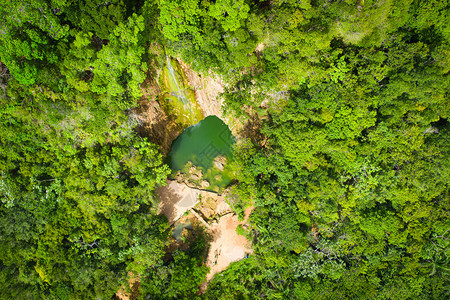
column 202, row 152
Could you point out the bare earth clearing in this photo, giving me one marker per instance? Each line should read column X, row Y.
column 227, row 246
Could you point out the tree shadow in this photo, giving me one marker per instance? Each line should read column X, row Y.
column 168, row 197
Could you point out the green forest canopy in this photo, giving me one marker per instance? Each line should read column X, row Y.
column 349, row 177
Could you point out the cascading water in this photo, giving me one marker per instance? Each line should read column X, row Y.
column 179, row 93
column 179, row 98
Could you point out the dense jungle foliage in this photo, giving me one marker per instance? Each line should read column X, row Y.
column 348, row 171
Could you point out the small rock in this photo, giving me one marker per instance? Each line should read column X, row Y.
column 204, row 184
column 219, row 162
column 195, row 174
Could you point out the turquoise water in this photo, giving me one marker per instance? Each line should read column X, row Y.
column 201, row 144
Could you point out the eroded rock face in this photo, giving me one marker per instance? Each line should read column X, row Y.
column 192, row 178
column 208, row 88
column 155, row 124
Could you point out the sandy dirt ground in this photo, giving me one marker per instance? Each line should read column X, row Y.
column 176, row 199
column 227, row 245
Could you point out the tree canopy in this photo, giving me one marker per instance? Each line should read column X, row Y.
column 346, row 164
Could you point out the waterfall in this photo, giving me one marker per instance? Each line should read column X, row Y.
column 179, row 94
column 180, row 98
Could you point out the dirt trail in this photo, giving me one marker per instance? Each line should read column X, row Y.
column 133, row 293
